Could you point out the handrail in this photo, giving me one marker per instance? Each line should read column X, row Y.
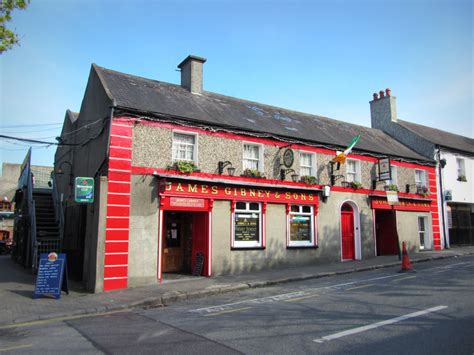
column 26, row 181
column 58, row 208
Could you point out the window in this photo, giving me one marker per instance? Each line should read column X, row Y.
column 353, row 170
column 394, row 179
column 420, row 178
column 307, row 164
column 300, row 226
column 184, row 147
column 422, row 232
column 253, row 157
column 247, row 225
column 461, row 169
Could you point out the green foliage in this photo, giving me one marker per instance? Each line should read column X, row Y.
column 462, row 178
column 355, row 185
column 8, row 37
column 253, row 173
column 308, row 179
column 392, row 187
column 185, row 167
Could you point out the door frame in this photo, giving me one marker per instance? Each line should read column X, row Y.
column 357, row 240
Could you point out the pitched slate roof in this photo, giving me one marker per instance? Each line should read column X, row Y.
column 439, row 137
column 151, row 96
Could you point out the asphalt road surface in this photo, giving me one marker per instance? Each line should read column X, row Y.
column 377, row 312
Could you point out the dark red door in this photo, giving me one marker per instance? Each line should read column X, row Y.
column 386, row 233
column 347, row 226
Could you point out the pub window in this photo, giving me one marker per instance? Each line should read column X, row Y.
column 253, row 157
column 420, row 178
column 184, row 147
column 461, row 169
column 393, row 173
column 353, row 171
column 247, row 225
column 300, row 226
column 307, row 164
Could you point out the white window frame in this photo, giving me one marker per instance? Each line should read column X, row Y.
column 313, row 165
column 461, row 167
column 242, row 244
column 300, row 243
column 195, row 148
column 394, row 175
column 426, row 233
column 357, row 172
column 260, row 155
column 423, row 181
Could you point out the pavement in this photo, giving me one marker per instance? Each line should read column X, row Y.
column 17, row 287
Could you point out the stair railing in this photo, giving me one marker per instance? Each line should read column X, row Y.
column 58, row 208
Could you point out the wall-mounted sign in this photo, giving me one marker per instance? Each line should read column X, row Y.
column 186, row 202
column 288, row 158
column 84, row 190
column 404, row 205
column 384, row 169
column 448, row 195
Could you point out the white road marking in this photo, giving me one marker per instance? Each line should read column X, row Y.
column 229, row 311
column 378, row 324
column 284, row 296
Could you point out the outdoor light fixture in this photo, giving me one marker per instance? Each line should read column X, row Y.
column 284, row 172
column 60, row 170
column 222, row 164
column 335, row 177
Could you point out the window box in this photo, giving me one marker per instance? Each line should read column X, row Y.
column 391, row 187
column 462, row 178
column 184, row 167
column 253, row 173
column 307, row 179
column 355, row 185
column 422, row 190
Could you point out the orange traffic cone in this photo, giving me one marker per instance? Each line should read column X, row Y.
column 406, row 266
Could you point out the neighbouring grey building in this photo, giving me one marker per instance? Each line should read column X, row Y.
column 454, row 155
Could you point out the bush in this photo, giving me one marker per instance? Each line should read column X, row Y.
column 308, row 179
column 185, row 167
column 355, row 185
column 253, row 173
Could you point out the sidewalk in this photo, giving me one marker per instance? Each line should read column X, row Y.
column 17, row 286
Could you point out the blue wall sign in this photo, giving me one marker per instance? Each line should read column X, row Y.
column 52, row 275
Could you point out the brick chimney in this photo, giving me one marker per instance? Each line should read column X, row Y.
column 383, row 109
column 191, row 73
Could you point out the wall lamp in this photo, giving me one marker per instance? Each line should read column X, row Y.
column 333, row 176
column 222, row 164
column 60, row 170
column 284, row 172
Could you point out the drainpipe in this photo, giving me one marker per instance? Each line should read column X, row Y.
column 438, row 158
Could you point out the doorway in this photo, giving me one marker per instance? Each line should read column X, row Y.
column 386, row 232
column 184, row 237
column 347, row 232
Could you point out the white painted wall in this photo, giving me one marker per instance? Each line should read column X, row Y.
column 461, row 191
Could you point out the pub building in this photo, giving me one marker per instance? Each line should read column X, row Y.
column 192, row 182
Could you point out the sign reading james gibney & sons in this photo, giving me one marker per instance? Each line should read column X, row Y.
column 193, row 190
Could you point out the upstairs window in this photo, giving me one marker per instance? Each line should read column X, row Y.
column 184, row 147
column 353, row 170
column 394, row 173
column 253, row 157
column 461, row 169
column 307, row 164
column 420, row 178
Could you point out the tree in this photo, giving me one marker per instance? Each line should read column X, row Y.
column 8, row 37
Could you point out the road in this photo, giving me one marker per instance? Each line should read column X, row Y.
column 381, row 311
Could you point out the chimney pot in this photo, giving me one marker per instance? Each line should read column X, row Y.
column 382, row 94
column 388, row 91
column 376, row 96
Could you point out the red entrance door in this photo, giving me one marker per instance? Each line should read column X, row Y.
column 347, row 226
column 386, row 232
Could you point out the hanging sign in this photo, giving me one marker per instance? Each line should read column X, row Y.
column 392, row 197
column 52, row 275
column 288, row 158
column 84, row 190
column 384, row 169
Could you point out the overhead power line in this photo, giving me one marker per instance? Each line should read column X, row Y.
column 33, row 125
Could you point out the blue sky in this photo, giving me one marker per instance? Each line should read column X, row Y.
column 321, row 57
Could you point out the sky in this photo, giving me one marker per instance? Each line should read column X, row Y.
column 324, row 57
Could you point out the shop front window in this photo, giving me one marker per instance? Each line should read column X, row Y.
column 248, row 225
column 300, row 226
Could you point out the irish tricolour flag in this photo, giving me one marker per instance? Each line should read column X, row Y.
column 341, row 157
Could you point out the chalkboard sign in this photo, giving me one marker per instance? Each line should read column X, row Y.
column 199, row 264
column 246, row 227
column 52, row 275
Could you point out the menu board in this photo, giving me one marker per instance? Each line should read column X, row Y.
column 300, row 228
column 246, row 227
column 52, row 275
